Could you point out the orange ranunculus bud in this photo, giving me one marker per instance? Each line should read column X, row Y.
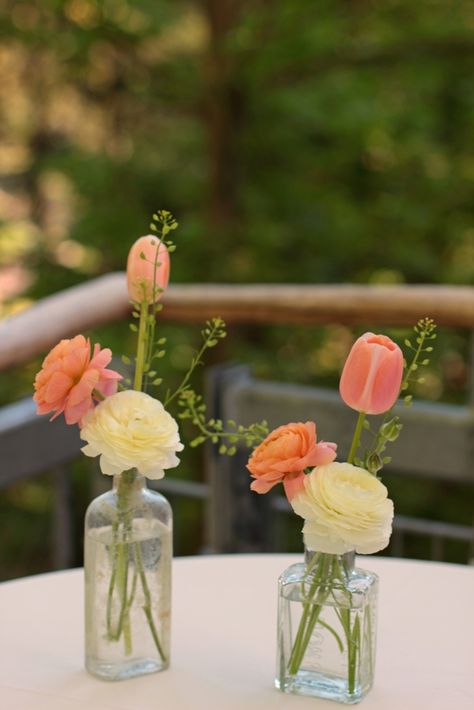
column 142, row 273
column 372, row 375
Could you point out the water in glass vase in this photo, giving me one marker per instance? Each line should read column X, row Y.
column 326, row 630
column 128, row 588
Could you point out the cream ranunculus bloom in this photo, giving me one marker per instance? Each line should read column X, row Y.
column 130, row 429
column 345, row 508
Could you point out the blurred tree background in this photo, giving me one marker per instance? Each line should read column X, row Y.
column 295, row 141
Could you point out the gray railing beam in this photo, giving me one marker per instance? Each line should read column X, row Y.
column 445, row 430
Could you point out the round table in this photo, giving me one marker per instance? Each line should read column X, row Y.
column 224, row 641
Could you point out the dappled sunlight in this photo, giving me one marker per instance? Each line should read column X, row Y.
column 17, row 240
column 74, row 255
column 14, row 280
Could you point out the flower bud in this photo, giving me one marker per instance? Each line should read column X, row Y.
column 148, row 269
column 372, row 375
column 374, row 463
column 391, row 430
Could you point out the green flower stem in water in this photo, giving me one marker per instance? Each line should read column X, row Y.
column 310, row 615
column 326, row 570
column 148, row 608
column 119, row 579
column 122, row 583
column 356, row 438
column 113, row 578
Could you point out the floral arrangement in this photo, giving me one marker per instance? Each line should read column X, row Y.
column 121, row 423
column 344, row 505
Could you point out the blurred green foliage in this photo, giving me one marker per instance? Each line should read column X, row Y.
column 295, row 142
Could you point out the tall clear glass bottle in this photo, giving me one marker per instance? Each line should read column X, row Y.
column 326, row 628
column 127, row 565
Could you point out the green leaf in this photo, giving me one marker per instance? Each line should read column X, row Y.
column 133, row 327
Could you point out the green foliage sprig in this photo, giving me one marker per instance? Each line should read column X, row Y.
column 150, row 349
column 391, row 426
column 213, row 332
column 193, row 408
column 163, row 223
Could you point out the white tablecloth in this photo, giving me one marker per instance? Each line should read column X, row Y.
column 223, row 642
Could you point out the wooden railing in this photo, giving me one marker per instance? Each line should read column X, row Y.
column 30, row 444
column 436, row 446
column 105, row 299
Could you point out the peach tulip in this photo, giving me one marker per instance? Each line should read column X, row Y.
column 283, row 456
column 70, row 379
column 143, row 274
column 372, row 375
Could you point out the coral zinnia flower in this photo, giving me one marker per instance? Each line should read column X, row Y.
column 70, row 379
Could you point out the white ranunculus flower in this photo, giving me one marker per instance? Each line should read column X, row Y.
column 345, row 508
column 130, row 429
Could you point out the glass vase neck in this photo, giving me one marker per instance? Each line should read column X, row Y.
column 314, row 558
column 129, row 480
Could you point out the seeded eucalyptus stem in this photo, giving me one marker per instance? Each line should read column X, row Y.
column 390, row 427
column 214, row 331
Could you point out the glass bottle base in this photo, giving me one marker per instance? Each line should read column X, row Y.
column 127, row 669
column 319, row 685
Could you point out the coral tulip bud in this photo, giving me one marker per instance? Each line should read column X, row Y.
column 148, row 269
column 372, row 375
